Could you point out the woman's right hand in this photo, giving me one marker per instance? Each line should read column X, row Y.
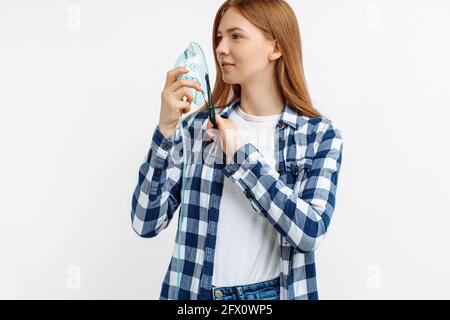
column 172, row 102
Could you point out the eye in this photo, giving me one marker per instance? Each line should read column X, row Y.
column 235, row 34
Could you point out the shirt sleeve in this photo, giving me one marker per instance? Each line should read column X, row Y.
column 157, row 194
column 301, row 220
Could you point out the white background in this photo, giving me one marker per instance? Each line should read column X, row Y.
column 80, row 85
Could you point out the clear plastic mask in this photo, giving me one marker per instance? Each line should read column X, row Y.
column 194, row 60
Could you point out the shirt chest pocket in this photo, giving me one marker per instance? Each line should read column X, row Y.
column 295, row 171
column 293, row 174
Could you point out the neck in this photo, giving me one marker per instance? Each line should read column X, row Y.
column 262, row 97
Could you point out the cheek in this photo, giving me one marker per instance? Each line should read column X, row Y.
column 253, row 57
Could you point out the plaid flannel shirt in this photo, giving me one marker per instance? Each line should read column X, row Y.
column 297, row 198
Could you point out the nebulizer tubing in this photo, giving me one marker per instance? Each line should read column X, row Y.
column 201, row 63
column 180, row 219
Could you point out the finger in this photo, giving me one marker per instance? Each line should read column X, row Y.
column 219, row 121
column 172, row 75
column 212, row 134
column 184, row 92
column 183, row 106
column 185, row 83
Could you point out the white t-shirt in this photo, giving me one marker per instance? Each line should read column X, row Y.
column 247, row 249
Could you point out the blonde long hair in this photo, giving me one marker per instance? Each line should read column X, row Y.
column 277, row 20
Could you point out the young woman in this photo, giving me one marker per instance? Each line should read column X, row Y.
column 251, row 222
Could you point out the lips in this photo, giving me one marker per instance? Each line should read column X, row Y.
column 226, row 66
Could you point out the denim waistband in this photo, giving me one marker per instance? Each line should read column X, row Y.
column 254, row 291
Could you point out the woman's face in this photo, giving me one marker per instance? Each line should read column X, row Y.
column 247, row 49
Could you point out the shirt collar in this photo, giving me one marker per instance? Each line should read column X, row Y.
column 289, row 115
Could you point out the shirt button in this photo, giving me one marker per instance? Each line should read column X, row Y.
column 157, row 172
column 165, row 146
column 281, row 125
column 218, row 294
column 248, row 194
column 295, row 169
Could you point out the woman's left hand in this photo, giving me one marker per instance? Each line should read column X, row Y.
column 228, row 134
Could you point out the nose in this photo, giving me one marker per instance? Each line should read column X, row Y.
column 222, row 49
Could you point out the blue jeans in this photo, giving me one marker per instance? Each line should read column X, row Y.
column 266, row 290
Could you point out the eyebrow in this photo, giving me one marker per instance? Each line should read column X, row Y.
column 231, row 29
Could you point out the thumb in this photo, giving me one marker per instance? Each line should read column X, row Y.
column 219, row 119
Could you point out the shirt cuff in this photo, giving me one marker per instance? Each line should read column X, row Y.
column 243, row 160
column 160, row 144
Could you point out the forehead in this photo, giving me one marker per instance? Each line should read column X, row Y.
column 233, row 19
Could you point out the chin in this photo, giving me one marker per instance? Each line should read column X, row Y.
column 228, row 81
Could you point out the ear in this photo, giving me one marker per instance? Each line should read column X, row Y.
column 275, row 54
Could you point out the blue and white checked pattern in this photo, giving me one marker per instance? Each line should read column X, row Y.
column 298, row 198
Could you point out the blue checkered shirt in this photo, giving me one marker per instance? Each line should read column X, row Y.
column 297, row 198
